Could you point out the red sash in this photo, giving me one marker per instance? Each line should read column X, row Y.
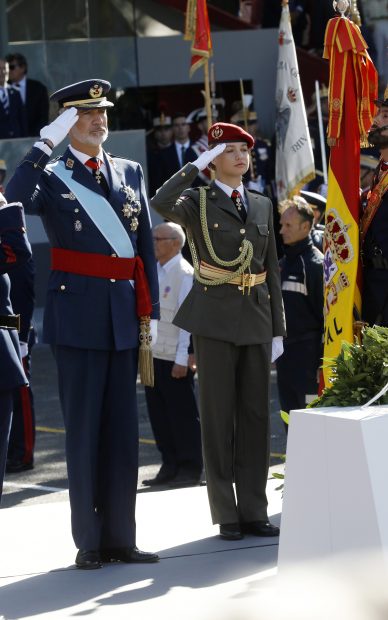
column 110, row 267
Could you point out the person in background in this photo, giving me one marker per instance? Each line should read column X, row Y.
column 171, row 403
column 301, row 273
column 33, row 93
column 318, row 205
column 13, row 123
column 14, row 250
column 235, row 313
column 161, row 139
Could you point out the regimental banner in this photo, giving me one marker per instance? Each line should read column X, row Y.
column 352, row 90
column 294, row 153
column 197, row 30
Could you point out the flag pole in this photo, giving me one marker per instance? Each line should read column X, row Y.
column 321, row 135
column 208, row 104
column 245, row 116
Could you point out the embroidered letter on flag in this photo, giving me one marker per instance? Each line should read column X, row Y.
column 294, row 154
column 352, row 90
column 197, row 30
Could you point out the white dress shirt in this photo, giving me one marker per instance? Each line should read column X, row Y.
column 182, row 355
column 22, row 88
column 178, row 147
column 229, row 190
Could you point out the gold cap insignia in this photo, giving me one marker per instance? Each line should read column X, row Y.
column 95, row 91
column 217, row 132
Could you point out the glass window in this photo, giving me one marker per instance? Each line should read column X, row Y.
column 111, row 18
column 65, row 19
column 24, row 20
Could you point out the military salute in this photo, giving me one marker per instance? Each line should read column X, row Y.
column 235, row 314
column 103, row 280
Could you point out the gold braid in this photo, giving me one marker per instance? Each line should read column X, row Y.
column 244, row 259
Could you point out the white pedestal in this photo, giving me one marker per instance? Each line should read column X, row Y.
column 336, row 483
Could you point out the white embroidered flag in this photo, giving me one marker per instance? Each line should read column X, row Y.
column 294, row 154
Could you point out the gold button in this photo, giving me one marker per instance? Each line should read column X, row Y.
column 114, row 255
column 213, row 193
column 63, row 287
column 183, row 174
column 216, row 225
column 242, row 231
column 269, row 296
column 76, row 210
column 205, row 288
column 240, row 248
column 240, row 288
column 35, row 165
column 112, row 280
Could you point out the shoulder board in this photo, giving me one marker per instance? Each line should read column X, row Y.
column 255, row 191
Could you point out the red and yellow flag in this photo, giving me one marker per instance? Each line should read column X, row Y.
column 352, row 91
column 197, row 30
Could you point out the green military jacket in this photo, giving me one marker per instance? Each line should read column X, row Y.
column 223, row 312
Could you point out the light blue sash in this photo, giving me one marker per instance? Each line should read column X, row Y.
column 99, row 210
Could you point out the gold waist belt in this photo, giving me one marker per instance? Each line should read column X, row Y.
column 244, row 279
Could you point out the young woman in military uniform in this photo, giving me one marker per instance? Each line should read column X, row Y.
column 235, row 314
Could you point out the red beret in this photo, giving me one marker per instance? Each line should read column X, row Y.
column 226, row 132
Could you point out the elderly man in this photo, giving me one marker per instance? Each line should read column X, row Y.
column 171, row 402
column 102, row 286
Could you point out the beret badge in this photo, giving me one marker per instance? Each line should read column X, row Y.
column 217, row 132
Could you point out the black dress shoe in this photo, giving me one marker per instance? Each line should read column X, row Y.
column 88, row 560
column 14, row 467
column 165, row 474
column 230, row 531
column 185, row 479
column 260, row 528
column 128, row 555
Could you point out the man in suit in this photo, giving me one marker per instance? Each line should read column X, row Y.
column 33, row 93
column 14, row 250
column 235, row 314
column 171, row 402
column 179, row 153
column 12, row 115
column 102, row 288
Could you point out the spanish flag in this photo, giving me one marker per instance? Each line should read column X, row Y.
column 352, row 91
column 197, row 30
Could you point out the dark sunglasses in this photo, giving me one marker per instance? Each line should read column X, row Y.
column 12, row 66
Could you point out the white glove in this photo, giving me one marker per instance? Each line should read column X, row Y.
column 2, row 200
column 58, row 129
column 277, row 348
column 205, row 158
column 154, row 331
column 23, row 348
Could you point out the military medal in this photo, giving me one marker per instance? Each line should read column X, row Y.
column 77, row 226
column 134, row 224
column 70, row 196
column 127, row 209
column 238, row 203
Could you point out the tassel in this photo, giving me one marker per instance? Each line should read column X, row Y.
column 146, row 363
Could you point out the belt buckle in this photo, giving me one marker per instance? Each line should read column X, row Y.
column 247, row 280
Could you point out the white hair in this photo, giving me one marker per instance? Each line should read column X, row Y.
column 176, row 230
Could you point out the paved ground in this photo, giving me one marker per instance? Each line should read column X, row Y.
column 40, row 484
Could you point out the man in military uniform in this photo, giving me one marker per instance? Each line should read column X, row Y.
column 160, row 140
column 235, row 314
column 14, row 250
column 374, row 229
column 258, row 177
column 103, row 284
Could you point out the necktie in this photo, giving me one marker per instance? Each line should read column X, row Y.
column 4, row 100
column 95, row 164
column 183, row 153
column 236, row 197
